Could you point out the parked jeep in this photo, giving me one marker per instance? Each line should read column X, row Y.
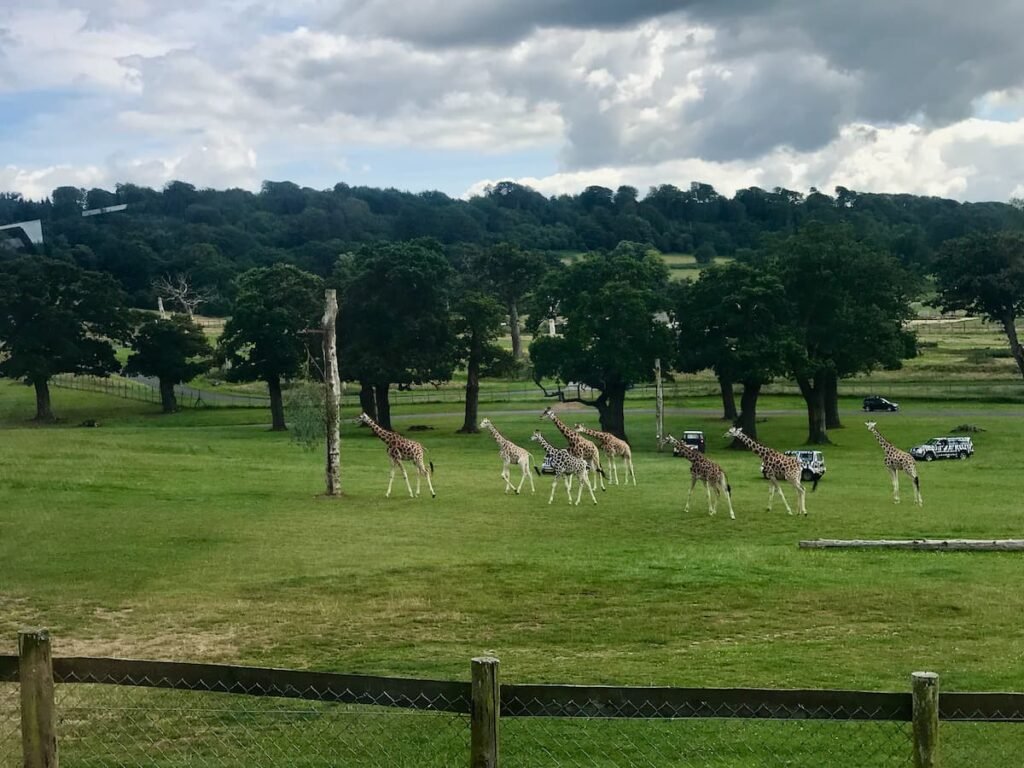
column 812, row 462
column 876, row 403
column 944, row 448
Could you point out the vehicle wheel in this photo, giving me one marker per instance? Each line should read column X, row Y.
column 929, row 457
column 807, row 475
column 962, row 455
column 892, row 410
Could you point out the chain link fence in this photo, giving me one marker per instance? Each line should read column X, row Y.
column 10, row 725
column 121, row 723
column 994, row 737
column 657, row 733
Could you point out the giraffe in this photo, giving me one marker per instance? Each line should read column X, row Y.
column 703, row 468
column 896, row 460
column 578, row 445
column 566, row 466
column 612, row 447
column 401, row 449
column 510, row 454
column 777, row 466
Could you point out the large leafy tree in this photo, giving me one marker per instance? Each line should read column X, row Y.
column 513, row 273
column 477, row 317
column 174, row 350
column 614, row 306
column 734, row 320
column 56, row 318
column 849, row 301
column 394, row 322
column 983, row 275
column 264, row 339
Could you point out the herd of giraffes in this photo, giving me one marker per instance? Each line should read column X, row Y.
column 581, row 457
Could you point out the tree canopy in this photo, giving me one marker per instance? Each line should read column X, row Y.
column 174, row 350
column 614, row 304
column 56, row 318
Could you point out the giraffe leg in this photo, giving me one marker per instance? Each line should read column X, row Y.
column 615, row 468
column 524, row 465
column 554, row 485
column 430, row 484
column 895, row 475
column 407, row 484
column 724, row 484
column 712, row 507
column 506, row 475
column 632, row 473
column 918, row 498
column 391, row 479
column 693, row 482
column 801, row 496
column 590, row 488
column 772, row 485
column 595, row 466
column 789, row 510
column 568, row 488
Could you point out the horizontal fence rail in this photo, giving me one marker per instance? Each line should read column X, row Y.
column 122, row 711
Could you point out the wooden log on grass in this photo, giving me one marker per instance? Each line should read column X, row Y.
column 929, row 545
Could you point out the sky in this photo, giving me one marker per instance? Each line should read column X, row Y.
column 919, row 96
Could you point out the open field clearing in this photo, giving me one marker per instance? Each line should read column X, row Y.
column 199, row 536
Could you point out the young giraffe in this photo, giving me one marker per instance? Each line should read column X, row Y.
column 401, row 449
column 703, row 468
column 612, row 447
column 777, row 466
column 578, row 445
column 510, row 454
column 566, row 466
column 896, row 460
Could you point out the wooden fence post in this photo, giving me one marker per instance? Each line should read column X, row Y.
column 38, row 714
column 332, row 390
column 484, row 713
column 659, row 404
column 925, row 693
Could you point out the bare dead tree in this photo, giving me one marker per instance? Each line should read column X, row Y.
column 179, row 291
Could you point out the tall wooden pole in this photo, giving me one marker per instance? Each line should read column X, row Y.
column 925, row 696
column 38, row 715
column 333, row 392
column 659, row 403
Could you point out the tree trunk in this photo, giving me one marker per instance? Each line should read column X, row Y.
column 44, row 413
column 367, row 401
column 276, row 405
column 728, row 399
column 611, row 410
column 168, row 401
column 381, row 392
column 332, row 394
column 1009, row 325
column 469, row 424
column 513, row 325
column 832, row 401
column 747, row 420
column 813, row 392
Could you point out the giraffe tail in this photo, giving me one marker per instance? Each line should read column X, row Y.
column 917, row 482
column 431, row 466
column 814, row 485
column 536, row 469
column 728, row 488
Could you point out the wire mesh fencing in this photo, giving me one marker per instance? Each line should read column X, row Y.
column 653, row 733
column 991, row 737
column 10, row 725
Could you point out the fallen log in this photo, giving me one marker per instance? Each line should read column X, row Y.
column 943, row 545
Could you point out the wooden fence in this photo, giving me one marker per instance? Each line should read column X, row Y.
column 485, row 700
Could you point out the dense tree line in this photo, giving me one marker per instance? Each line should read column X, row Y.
column 215, row 235
column 818, row 290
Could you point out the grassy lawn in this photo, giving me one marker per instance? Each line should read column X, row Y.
column 200, row 536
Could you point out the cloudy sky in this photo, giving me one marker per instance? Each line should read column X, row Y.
column 923, row 96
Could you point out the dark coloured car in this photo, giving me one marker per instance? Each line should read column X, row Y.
column 693, row 438
column 876, row 403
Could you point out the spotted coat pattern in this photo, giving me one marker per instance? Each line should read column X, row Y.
column 566, row 466
column 401, row 449
column 897, row 460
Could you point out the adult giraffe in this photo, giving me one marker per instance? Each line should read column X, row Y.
column 578, row 445
column 510, row 454
column 613, row 446
column 566, row 466
column 895, row 461
column 777, row 466
column 401, row 449
column 704, row 469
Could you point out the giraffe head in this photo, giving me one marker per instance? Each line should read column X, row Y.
column 536, row 436
column 485, row 424
column 870, row 424
column 548, row 414
column 734, row 432
column 580, row 427
column 362, row 418
column 662, row 439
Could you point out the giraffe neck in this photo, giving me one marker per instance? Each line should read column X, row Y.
column 881, row 440
column 591, row 432
column 500, row 438
column 756, row 447
column 548, row 447
column 378, row 430
column 569, row 434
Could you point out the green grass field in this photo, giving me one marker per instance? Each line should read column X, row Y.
column 200, row 536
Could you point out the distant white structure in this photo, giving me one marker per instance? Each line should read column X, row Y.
column 33, row 230
column 108, row 209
